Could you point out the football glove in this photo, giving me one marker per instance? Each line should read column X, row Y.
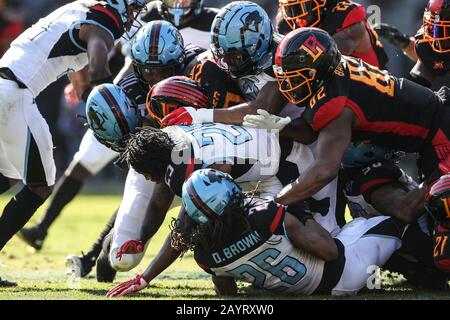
column 128, row 287
column 130, row 247
column 70, row 95
column 265, row 120
column 392, row 35
column 186, row 116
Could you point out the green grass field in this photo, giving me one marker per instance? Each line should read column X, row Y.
column 42, row 275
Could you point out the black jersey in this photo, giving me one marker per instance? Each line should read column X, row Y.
column 345, row 14
column 391, row 112
column 437, row 63
column 222, row 91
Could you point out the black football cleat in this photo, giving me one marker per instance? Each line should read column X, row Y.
column 7, row 284
column 33, row 236
column 105, row 273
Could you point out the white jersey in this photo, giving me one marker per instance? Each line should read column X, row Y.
column 253, row 154
column 51, row 48
column 265, row 256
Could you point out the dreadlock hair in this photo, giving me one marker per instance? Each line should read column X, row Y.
column 148, row 151
column 213, row 233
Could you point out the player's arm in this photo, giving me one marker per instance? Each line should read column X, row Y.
column 160, row 202
column 99, row 43
column 393, row 200
column 269, row 98
column 80, row 82
column 422, row 75
column 332, row 142
column 166, row 256
column 310, row 237
column 298, row 130
column 354, row 38
column 397, row 39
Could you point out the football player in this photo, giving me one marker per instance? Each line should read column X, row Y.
column 171, row 58
column 349, row 100
column 278, row 248
column 76, row 36
column 168, row 156
column 344, row 20
column 430, row 48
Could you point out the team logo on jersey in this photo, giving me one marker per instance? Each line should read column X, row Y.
column 251, row 21
column 313, row 47
column 249, row 88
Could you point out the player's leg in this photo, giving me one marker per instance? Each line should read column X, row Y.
column 130, row 219
column 28, row 144
column 91, row 158
column 368, row 244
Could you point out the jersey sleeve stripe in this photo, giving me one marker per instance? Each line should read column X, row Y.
column 276, row 221
column 400, row 128
column 373, row 183
column 108, row 13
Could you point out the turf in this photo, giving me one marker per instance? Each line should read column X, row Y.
column 42, row 275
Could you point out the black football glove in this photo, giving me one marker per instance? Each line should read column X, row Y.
column 392, row 35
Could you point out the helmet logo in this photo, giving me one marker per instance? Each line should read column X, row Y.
column 96, row 119
column 252, row 21
column 446, row 206
column 313, row 47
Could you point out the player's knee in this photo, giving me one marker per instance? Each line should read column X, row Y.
column 43, row 191
column 126, row 262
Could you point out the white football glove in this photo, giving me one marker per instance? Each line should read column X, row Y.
column 265, row 120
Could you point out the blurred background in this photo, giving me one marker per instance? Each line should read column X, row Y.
column 67, row 129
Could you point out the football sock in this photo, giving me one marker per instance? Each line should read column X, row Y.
column 17, row 213
column 66, row 190
column 97, row 246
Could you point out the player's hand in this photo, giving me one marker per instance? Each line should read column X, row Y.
column 128, row 287
column 186, row 116
column 130, row 247
column 71, row 95
column 265, row 120
column 392, row 35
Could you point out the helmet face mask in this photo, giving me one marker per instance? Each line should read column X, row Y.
column 296, row 85
column 437, row 31
column 154, row 61
column 179, row 12
column 237, row 63
column 241, row 36
column 302, row 13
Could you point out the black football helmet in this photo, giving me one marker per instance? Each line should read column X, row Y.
column 179, row 12
column 305, row 60
column 438, row 201
column 305, row 13
column 436, row 25
column 173, row 93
